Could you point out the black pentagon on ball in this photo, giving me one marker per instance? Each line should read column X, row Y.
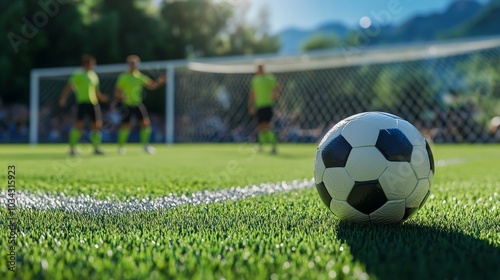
column 323, row 193
column 431, row 156
column 336, row 152
column 394, row 145
column 366, row 197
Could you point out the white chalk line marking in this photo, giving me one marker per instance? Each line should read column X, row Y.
column 451, row 161
column 89, row 205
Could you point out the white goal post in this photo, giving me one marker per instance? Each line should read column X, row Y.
column 450, row 90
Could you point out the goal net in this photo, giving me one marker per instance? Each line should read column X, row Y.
column 450, row 91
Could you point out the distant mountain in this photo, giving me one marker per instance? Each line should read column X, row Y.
column 292, row 38
column 485, row 23
column 461, row 18
column 428, row 27
column 335, row 28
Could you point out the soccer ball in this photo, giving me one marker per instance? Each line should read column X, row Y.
column 374, row 167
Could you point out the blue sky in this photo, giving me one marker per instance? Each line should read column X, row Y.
column 306, row 14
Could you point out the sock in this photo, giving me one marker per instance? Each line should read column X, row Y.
column 262, row 137
column 95, row 138
column 272, row 138
column 145, row 135
column 123, row 136
column 74, row 136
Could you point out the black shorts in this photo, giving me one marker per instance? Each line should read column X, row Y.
column 90, row 110
column 264, row 115
column 139, row 112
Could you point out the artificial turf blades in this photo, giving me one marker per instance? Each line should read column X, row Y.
column 282, row 236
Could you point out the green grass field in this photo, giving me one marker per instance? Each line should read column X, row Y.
column 286, row 235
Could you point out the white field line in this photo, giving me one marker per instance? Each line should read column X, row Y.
column 450, row 161
column 89, row 205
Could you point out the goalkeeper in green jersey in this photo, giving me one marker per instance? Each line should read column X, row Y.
column 129, row 90
column 85, row 83
column 264, row 92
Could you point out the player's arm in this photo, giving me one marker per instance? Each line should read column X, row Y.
column 101, row 96
column 118, row 93
column 251, row 102
column 152, row 85
column 65, row 94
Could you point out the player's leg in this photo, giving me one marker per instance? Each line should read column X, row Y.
column 271, row 135
column 145, row 133
column 95, row 134
column 124, row 131
column 261, row 128
column 74, row 136
column 76, row 131
column 266, row 135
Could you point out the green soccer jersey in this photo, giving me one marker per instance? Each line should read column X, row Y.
column 131, row 83
column 85, row 84
column 263, row 86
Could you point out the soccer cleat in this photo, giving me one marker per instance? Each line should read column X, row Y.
column 99, row 152
column 122, row 151
column 74, row 153
column 150, row 149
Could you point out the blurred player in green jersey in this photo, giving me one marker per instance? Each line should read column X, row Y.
column 264, row 92
column 85, row 83
column 129, row 90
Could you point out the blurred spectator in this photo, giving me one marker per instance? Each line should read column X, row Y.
column 442, row 125
column 14, row 123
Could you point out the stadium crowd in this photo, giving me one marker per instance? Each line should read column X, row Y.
column 450, row 126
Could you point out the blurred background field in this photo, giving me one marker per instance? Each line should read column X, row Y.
column 178, row 169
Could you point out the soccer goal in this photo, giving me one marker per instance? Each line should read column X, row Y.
column 449, row 90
